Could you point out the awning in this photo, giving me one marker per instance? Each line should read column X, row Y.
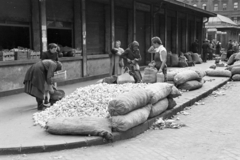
column 221, row 20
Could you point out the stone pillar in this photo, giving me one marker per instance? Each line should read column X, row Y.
column 84, row 39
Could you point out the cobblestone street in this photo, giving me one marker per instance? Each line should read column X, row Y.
column 212, row 133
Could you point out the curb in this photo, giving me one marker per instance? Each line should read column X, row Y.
column 133, row 132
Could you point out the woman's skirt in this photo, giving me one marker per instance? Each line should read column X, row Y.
column 34, row 80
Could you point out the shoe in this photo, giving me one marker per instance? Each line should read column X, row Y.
column 46, row 100
column 42, row 107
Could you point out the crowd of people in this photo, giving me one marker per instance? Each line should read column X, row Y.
column 38, row 78
column 128, row 59
column 209, row 48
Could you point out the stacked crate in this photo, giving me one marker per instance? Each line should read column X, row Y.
column 6, row 55
column 21, row 54
column 34, row 55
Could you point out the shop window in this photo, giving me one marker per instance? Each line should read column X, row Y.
column 235, row 6
column 224, row 6
column 60, row 33
column 14, row 37
column 204, row 6
column 63, row 37
column 215, row 7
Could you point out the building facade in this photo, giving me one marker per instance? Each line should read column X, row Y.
column 228, row 8
column 92, row 26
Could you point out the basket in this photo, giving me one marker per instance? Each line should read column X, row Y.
column 59, row 76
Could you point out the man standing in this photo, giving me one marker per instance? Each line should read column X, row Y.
column 195, row 46
column 230, row 49
column 206, row 48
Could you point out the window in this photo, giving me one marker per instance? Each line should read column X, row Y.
column 235, row 20
column 204, row 6
column 215, row 7
column 194, row 5
column 235, row 6
column 224, row 6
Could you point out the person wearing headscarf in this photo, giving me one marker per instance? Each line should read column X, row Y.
column 160, row 57
column 131, row 57
column 37, row 75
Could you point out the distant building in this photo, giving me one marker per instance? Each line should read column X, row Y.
column 228, row 8
column 220, row 28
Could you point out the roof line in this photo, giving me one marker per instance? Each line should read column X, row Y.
column 211, row 14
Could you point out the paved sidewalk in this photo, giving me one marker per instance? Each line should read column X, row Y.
column 212, row 133
column 17, row 125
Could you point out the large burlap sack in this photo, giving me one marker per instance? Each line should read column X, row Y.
column 218, row 73
column 188, row 55
column 231, row 59
column 110, row 80
column 159, row 91
column 201, row 73
column 236, row 64
column 223, row 56
column 174, row 93
column 235, row 70
column 174, row 60
column 125, row 78
column 191, row 85
column 171, row 75
column 171, row 103
column 236, row 77
column 129, row 101
column 200, row 59
column 80, row 126
column 182, row 62
column 130, row 120
column 150, row 75
column 185, row 76
column 196, row 58
column 159, row 107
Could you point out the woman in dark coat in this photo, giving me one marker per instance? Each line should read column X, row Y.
column 131, row 57
column 52, row 52
column 35, row 79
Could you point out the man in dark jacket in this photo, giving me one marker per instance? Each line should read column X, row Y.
column 230, row 49
column 195, row 46
column 206, row 48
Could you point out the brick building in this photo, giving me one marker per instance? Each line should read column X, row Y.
column 228, row 8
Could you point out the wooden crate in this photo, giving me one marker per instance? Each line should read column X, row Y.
column 34, row 55
column 22, row 55
column 6, row 56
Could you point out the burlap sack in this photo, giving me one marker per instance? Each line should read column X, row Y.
column 129, row 101
column 130, row 120
column 80, row 126
column 159, row 108
column 159, row 91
